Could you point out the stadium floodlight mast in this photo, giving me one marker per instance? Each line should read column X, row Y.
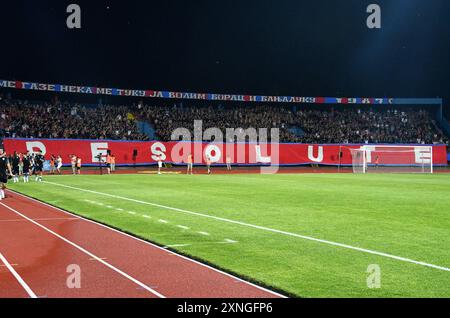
column 392, row 158
column 239, row 141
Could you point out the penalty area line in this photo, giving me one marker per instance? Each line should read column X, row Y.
column 267, row 229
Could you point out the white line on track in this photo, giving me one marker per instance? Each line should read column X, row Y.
column 309, row 238
column 43, row 219
column 134, row 280
column 17, row 276
column 237, row 279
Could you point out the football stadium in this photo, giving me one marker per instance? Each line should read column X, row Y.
column 254, row 150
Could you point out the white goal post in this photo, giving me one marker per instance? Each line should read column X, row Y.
column 392, row 158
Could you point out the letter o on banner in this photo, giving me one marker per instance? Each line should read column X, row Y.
column 210, row 149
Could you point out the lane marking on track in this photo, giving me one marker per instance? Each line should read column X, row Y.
column 39, row 219
column 93, row 259
column 17, row 276
column 171, row 253
column 267, row 229
column 134, row 280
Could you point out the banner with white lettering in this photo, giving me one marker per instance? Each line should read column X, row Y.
column 148, row 152
column 192, row 96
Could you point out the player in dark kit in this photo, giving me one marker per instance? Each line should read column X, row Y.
column 15, row 160
column 5, row 169
column 26, row 168
column 38, row 166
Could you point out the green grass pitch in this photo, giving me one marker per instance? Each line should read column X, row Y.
column 402, row 215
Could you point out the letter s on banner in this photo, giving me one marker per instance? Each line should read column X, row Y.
column 98, row 148
column 311, row 156
column 32, row 145
column 158, row 149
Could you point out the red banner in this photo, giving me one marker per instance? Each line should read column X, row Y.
column 144, row 153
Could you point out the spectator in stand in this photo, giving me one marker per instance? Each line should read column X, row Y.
column 341, row 125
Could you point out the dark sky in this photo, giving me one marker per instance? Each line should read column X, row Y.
column 278, row 47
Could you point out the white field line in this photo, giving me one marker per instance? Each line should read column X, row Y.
column 203, row 243
column 17, row 276
column 152, row 245
column 134, row 280
column 110, row 207
column 309, row 238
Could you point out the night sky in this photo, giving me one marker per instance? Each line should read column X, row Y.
column 302, row 48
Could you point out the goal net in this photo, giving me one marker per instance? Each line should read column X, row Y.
column 411, row 159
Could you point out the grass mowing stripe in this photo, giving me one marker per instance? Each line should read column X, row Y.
column 368, row 251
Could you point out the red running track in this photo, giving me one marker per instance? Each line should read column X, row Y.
column 39, row 243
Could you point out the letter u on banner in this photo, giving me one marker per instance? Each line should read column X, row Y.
column 311, row 156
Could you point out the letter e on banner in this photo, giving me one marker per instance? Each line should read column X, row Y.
column 98, row 148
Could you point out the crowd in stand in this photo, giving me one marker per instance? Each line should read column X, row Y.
column 307, row 126
column 363, row 125
column 166, row 119
column 369, row 126
column 64, row 120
